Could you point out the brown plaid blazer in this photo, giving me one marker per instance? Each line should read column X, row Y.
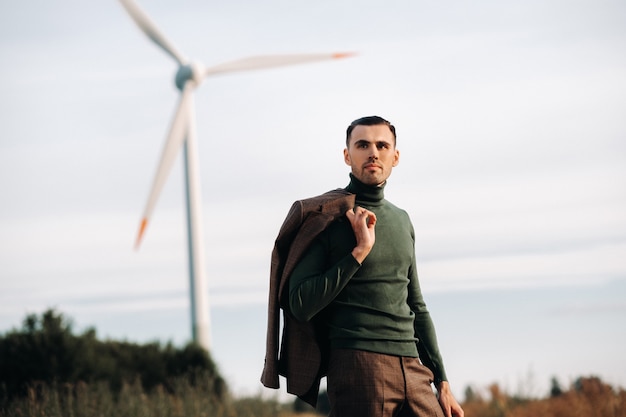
column 300, row 357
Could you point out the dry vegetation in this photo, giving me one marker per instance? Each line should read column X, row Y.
column 587, row 397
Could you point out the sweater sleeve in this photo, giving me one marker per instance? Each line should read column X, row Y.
column 427, row 345
column 313, row 285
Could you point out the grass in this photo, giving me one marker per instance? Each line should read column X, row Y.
column 181, row 399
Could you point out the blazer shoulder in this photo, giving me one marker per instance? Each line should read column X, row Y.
column 329, row 202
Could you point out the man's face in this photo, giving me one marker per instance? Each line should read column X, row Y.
column 371, row 153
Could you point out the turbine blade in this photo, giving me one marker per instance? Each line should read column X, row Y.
column 173, row 143
column 150, row 29
column 269, row 61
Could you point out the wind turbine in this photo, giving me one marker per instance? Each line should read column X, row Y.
column 182, row 133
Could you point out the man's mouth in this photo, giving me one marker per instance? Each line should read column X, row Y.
column 371, row 166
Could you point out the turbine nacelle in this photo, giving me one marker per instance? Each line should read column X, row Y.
column 194, row 72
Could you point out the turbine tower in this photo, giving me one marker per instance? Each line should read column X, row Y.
column 182, row 133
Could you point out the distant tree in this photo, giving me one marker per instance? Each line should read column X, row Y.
column 555, row 387
column 44, row 350
column 471, row 395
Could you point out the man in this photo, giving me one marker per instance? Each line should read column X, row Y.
column 354, row 283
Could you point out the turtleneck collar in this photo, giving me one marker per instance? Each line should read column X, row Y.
column 369, row 194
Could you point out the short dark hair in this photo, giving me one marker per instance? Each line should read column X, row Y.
column 369, row 121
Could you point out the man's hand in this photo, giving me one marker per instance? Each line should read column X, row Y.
column 362, row 222
column 450, row 406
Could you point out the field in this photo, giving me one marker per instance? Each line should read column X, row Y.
column 586, row 398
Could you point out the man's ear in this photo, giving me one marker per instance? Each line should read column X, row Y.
column 396, row 159
column 346, row 157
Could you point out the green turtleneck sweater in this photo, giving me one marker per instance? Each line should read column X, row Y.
column 375, row 306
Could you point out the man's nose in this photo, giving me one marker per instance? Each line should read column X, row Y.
column 374, row 153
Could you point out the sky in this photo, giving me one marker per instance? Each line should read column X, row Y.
column 511, row 131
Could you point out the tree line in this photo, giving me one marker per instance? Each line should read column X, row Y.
column 45, row 350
